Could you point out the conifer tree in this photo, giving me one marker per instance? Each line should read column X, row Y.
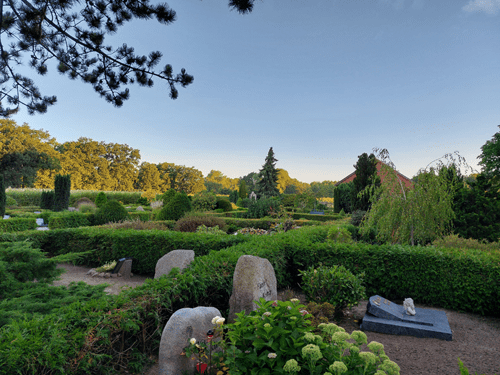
column 243, row 192
column 72, row 33
column 268, row 177
column 62, row 190
column 366, row 175
column 3, row 197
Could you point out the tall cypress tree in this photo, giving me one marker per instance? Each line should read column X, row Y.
column 268, row 182
column 62, row 190
column 366, row 174
column 243, row 192
column 3, row 197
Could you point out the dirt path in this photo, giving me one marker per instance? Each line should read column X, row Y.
column 476, row 339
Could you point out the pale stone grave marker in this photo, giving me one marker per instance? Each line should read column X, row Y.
column 176, row 258
column 253, row 278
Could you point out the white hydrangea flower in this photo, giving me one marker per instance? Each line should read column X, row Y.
column 192, row 341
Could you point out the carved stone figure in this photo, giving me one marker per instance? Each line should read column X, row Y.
column 409, row 306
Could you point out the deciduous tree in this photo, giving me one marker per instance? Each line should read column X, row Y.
column 490, row 158
column 414, row 215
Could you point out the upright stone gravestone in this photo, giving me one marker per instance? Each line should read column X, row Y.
column 254, row 278
column 385, row 316
column 175, row 258
column 183, row 325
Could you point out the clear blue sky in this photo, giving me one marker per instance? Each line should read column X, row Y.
column 320, row 81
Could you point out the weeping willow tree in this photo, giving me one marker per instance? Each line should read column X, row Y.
column 417, row 214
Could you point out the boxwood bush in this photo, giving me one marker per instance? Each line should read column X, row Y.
column 17, row 224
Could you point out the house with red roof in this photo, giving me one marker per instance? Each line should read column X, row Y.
column 405, row 180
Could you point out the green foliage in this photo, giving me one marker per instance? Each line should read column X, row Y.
column 274, row 327
column 101, row 199
column 138, row 224
column 261, row 208
column 69, row 220
column 62, row 192
column 490, row 160
column 288, row 200
column 357, row 217
column 224, row 204
column 3, row 197
column 176, row 207
column 283, row 220
column 210, row 230
column 315, row 217
column 192, row 220
column 87, row 208
column 305, row 202
column 335, row 285
column 339, row 234
column 204, row 201
column 245, row 202
column 110, row 212
column 463, row 369
column 143, row 201
column 18, row 224
column 10, row 202
column 167, row 196
column 342, row 213
column 19, row 169
column 456, row 242
column 267, row 186
column 366, row 176
column 243, row 191
column 343, row 197
column 416, row 215
column 477, row 209
column 47, row 200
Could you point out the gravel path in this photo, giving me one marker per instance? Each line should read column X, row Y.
column 476, row 339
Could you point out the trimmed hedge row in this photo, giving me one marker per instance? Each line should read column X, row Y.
column 69, row 220
column 333, row 217
column 17, row 224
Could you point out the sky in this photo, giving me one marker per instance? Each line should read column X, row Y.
column 320, row 81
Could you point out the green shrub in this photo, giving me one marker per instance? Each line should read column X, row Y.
column 262, row 207
column 210, row 230
column 456, row 242
column 263, row 331
column 10, row 202
column 3, row 197
column 192, row 220
column 143, row 201
column 339, row 234
column 101, row 199
column 177, row 206
column 342, row 213
column 137, row 224
column 87, row 208
column 47, row 200
column 357, row 217
column 224, row 204
column 303, row 216
column 167, row 196
column 17, row 224
column 335, row 285
column 112, row 212
column 68, row 220
column 204, row 201
column 62, row 191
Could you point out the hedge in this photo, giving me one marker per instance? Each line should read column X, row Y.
column 69, row 220
column 298, row 216
column 17, row 224
column 115, row 333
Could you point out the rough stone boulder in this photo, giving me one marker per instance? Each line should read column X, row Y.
column 254, row 278
column 183, row 325
column 175, row 258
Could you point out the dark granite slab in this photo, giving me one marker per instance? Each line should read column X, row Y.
column 385, row 316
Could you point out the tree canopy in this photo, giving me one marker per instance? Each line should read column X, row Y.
column 490, row 158
column 73, row 34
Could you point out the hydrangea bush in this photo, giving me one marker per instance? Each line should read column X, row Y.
column 277, row 338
